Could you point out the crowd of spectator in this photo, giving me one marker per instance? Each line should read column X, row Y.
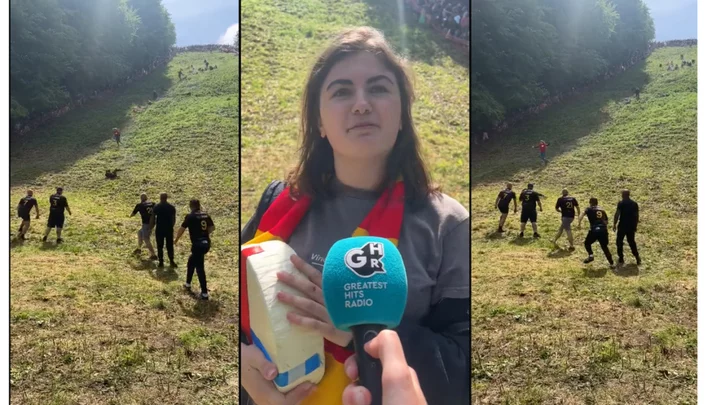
column 205, row 48
column 448, row 17
column 675, row 43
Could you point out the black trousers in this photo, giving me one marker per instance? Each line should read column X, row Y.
column 598, row 235
column 165, row 237
column 196, row 262
column 623, row 233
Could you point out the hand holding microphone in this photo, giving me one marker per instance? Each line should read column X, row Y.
column 399, row 381
column 361, row 292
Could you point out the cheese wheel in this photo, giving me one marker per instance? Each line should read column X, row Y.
column 297, row 352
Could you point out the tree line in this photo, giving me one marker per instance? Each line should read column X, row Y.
column 524, row 51
column 62, row 50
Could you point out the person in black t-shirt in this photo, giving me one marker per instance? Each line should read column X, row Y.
column 628, row 213
column 201, row 226
column 598, row 230
column 24, row 207
column 163, row 219
column 145, row 208
column 530, row 199
column 56, row 218
column 502, row 203
column 566, row 205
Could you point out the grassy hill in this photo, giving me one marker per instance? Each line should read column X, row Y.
column 280, row 42
column 90, row 322
column 549, row 329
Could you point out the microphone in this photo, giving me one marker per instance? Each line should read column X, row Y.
column 365, row 291
column 298, row 354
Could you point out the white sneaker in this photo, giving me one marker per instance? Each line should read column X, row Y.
column 187, row 286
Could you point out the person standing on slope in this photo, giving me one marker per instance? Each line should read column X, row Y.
column 201, row 226
column 543, row 148
column 26, row 205
column 502, row 203
column 164, row 219
column 598, row 230
column 628, row 213
column 56, row 219
column 530, row 199
column 145, row 208
column 116, row 135
column 566, row 205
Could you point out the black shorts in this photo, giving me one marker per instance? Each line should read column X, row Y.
column 504, row 210
column 200, row 246
column 597, row 235
column 24, row 215
column 56, row 221
column 528, row 216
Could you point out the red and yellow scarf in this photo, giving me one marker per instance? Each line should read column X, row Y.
column 279, row 223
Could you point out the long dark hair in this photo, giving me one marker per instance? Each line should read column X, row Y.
column 316, row 168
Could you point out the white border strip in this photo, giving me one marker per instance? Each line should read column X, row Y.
column 708, row 168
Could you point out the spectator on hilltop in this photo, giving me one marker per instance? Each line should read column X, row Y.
column 451, row 17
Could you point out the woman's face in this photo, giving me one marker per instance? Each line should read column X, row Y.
column 360, row 108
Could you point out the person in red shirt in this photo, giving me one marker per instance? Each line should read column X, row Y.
column 116, row 135
column 543, row 147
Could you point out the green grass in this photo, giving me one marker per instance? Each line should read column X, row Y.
column 90, row 322
column 548, row 329
column 280, row 42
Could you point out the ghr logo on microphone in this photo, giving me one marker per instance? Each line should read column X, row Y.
column 365, row 261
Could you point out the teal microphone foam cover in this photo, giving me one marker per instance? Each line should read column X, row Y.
column 364, row 282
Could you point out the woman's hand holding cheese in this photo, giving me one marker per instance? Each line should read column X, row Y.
column 256, row 377
column 310, row 312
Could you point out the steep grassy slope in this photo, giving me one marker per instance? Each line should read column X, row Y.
column 548, row 329
column 90, row 322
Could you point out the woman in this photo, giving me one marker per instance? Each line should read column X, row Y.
column 361, row 173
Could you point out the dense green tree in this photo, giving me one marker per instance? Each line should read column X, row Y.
column 525, row 50
column 61, row 49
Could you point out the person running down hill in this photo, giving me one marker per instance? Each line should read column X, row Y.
column 530, row 200
column 543, row 148
column 628, row 213
column 201, row 226
column 26, row 205
column 502, row 203
column 145, row 208
column 56, row 218
column 163, row 219
column 598, row 230
column 566, row 205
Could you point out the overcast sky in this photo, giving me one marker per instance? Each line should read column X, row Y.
column 674, row 19
column 205, row 21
